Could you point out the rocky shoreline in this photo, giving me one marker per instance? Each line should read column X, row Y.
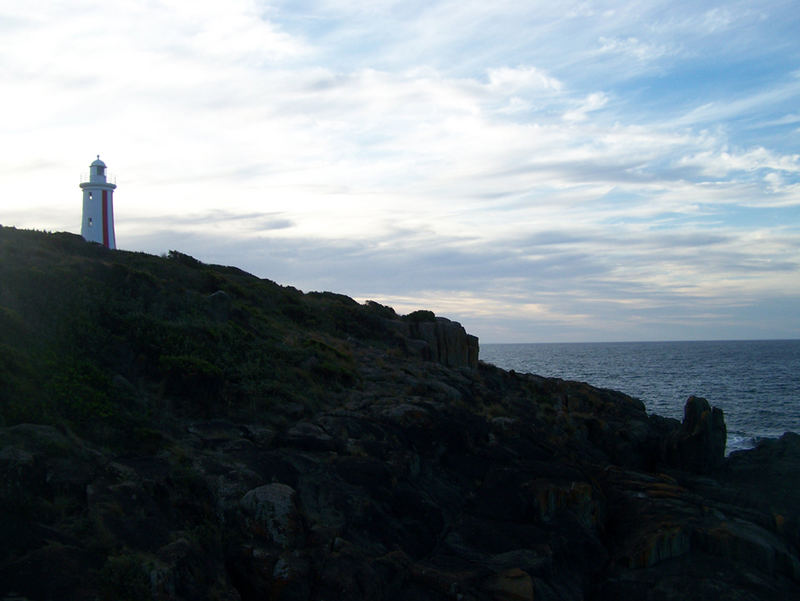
column 396, row 467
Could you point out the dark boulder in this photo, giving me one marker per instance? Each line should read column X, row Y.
column 766, row 478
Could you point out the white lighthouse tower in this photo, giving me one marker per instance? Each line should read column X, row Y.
column 98, row 206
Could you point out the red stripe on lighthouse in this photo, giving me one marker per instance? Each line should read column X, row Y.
column 105, row 218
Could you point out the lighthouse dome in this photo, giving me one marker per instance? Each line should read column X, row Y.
column 97, row 173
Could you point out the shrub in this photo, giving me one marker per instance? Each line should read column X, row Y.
column 125, row 578
column 190, row 377
column 421, row 315
column 80, row 391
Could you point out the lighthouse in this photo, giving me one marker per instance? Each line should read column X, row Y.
column 98, row 206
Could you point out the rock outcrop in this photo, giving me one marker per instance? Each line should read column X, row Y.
column 500, row 494
column 439, row 339
column 158, row 443
column 699, row 444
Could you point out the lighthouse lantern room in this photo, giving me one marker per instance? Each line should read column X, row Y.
column 98, row 206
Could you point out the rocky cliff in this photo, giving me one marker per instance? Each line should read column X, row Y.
column 437, row 339
column 172, row 430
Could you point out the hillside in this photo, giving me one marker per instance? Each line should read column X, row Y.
column 176, row 430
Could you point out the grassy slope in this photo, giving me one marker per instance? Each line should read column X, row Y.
column 106, row 341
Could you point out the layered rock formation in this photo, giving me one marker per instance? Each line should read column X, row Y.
column 438, row 339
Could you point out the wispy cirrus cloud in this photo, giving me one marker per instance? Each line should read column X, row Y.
column 634, row 47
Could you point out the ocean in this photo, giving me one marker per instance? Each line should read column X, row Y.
column 755, row 382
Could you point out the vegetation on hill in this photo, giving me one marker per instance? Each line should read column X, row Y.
column 175, row 431
column 105, row 341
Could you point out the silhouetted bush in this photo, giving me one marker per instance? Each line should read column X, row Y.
column 421, row 315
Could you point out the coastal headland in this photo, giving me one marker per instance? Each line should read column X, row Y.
column 172, row 430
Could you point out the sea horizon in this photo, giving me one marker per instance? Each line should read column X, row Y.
column 648, row 341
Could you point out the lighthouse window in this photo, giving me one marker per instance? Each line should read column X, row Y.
column 90, row 222
column 101, row 170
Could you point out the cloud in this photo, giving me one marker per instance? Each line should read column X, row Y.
column 785, row 120
column 592, row 102
column 247, row 222
column 771, row 169
column 568, row 277
column 577, row 165
column 744, row 104
column 512, row 81
column 633, row 47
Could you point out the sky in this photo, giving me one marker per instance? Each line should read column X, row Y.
column 538, row 171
